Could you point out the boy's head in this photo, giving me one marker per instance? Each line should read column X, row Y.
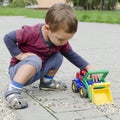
column 61, row 16
column 61, row 24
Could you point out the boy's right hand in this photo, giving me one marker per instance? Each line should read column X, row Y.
column 22, row 56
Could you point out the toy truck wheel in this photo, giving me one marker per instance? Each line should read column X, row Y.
column 83, row 92
column 74, row 87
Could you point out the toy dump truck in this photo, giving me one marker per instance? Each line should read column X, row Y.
column 97, row 92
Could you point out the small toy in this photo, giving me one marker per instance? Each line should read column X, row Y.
column 97, row 92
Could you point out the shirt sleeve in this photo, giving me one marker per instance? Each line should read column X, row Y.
column 76, row 59
column 11, row 43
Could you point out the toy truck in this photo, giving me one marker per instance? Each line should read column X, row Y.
column 97, row 92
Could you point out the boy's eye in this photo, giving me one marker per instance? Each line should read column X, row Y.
column 61, row 40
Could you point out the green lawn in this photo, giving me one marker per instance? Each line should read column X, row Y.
column 32, row 13
column 99, row 16
column 83, row 16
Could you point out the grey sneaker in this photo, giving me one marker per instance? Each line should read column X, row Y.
column 53, row 85
column 15, row 100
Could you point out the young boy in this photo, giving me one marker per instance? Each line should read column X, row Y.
column 37, row 53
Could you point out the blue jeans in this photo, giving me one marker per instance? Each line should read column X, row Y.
column 53, row 63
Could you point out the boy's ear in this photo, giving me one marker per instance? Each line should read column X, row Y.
column 46, row 27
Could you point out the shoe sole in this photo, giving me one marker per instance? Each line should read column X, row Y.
column 10, row 106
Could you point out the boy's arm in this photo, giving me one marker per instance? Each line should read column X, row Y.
column 80, row 63
column 76, row 59
column 11, row 43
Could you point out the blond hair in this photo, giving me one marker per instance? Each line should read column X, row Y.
column 61, row 16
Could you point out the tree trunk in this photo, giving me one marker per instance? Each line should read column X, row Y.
column 103, row 5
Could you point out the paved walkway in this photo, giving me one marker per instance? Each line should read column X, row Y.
column 97, row 43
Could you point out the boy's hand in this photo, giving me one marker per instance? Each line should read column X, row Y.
column 22, row 56
column 95, row 77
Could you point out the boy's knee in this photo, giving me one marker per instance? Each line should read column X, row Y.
column 58, row 59
column 34, row 61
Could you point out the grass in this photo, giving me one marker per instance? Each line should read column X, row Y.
column 83, row 16
column 32, row 13
column 99, row 16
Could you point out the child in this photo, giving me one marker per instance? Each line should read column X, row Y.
column 37, row 53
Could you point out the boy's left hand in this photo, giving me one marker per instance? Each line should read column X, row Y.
column 95, row 77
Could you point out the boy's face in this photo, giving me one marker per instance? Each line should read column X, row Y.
column 59, row 37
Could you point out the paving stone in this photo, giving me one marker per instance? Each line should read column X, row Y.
column 69, row 116
column 34, row 111
column 117, row 101
column 96, row 118
column 115, row 117
column 91, row 113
